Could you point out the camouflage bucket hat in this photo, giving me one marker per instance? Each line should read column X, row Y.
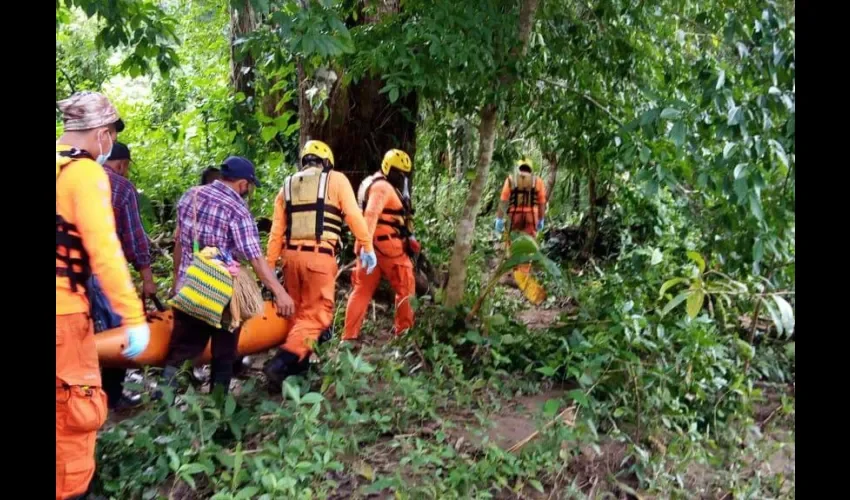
column 88, row 110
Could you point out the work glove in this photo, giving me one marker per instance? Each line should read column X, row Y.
column 138, row 337
column 414, row 245
column 500, row 225
column 540, row 225
column 368, row 260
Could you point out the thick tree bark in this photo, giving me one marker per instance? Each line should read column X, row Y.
column 593, row 223
column 358, row 122
column 465, row 229
column 243, row 21
column 465, row 232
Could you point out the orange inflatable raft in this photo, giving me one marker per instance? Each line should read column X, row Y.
column 258, row 334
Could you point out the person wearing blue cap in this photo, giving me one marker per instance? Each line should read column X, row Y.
column 216, row 215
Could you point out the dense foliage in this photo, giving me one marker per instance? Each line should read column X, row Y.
column 667, row 131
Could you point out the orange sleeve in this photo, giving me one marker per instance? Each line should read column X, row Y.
column 506, row 190
column 92, row 207
column 378, row 196
column 277, row 231
column 348, row 204
column 541, row 192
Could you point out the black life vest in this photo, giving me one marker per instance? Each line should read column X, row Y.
column 76, row 269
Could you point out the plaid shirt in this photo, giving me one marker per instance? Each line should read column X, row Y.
column 224, row 222
column 128, row 222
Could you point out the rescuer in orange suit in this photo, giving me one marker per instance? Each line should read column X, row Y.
column 306, row 228
column 524, row 199
column 86, row 245
column 385, row 199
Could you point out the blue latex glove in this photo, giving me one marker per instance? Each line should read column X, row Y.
column 368, row 260
column 137, row 340
column 500, row 225
column 540, row 225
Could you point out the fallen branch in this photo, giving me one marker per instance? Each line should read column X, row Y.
column 561, row 416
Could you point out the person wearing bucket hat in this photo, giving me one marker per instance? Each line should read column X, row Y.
column 86, row 245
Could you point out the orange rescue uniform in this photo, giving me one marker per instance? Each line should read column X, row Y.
column 83, row 199
column 393, row 263
column 309, row 270
column 524, row 218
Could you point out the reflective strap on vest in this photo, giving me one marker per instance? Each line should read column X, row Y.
column 528, row 195
column 328, row 217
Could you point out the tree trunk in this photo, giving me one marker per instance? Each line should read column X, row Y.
column 593, row 223
column 466, row 225
column 552, row 159
column 243, row 21
column 465, row 229
column 357, row 121
column 576, row 186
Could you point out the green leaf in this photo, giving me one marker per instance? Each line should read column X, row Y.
column 247, row 493
column 694, row 305
column 742, row 190
column 727, row 149
column 786, row 313
column 779, row 151
column 173, row 459
column 656, row 258
column 739, row 170
column 579, row 397
column 758, row 250
column 677, row 134
column 524, row 245
column 394, row 94
column 698, row 260
column 312, row 398
column 546, row 371
column 644, row 154
column 229, row 406
column 497, row 320
column 268, row 133
column 721, row 79
column 678, row 299
column 191, row 469
column 775, row 316
column 755, row 206
column 735, row 116
column 746, row 350
column 537, row 485
column 671, row 114
column 669, row 284
column 292, row 391
column 550, row 408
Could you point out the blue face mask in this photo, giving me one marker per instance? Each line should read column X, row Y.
column 101, row 158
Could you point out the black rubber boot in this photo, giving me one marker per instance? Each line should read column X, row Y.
column 282, row 365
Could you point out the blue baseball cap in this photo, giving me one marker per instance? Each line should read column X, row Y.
column 236, row 167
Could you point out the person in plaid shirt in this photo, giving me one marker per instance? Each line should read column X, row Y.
column 136, row 247
column 223, row 221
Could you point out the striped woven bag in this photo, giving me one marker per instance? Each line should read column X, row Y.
column 207, row 288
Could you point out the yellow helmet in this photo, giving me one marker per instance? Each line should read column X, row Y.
column 396, row 158
column 320, row 149
column 525, row 161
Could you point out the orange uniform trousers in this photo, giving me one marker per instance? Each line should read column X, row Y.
column 310, row 279
column 396, row 267
column 80, row 404
column 525, row 222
